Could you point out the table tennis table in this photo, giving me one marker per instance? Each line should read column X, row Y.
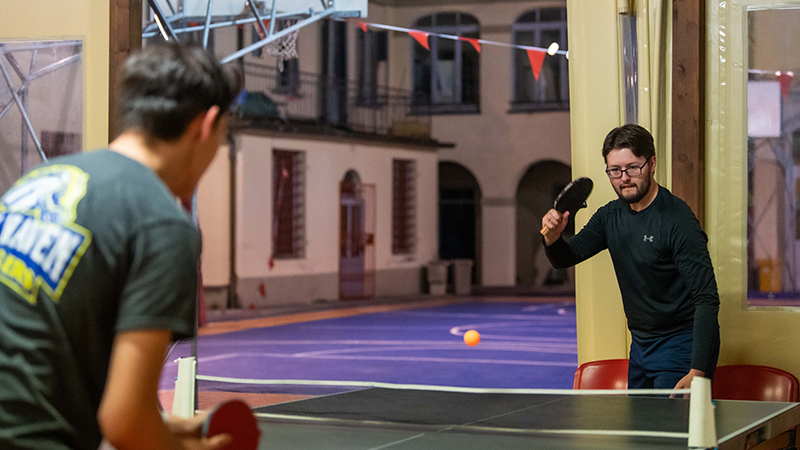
column 396, row 419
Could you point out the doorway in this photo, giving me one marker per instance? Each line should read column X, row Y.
column 356, row 238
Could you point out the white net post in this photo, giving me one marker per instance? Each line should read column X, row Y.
column 183, row 402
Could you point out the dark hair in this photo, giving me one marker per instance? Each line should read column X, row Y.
column 631, row 136
column 165, row 87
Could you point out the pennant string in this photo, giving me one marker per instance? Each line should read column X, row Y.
column 477, row 43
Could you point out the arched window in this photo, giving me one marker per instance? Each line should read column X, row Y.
column 446, row 78
column 540, row 28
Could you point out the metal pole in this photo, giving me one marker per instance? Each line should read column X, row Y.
column 38, row 74
column 166, row 28
column 227, row 23
column 24, row 131
column 233, row 300
column 260, row 21
column 22, row 111
column 208, row 23
column 272, row 19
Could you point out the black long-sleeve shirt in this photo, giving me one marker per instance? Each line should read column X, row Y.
column 664, row 271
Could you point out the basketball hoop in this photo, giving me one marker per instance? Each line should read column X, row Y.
column 285, row 47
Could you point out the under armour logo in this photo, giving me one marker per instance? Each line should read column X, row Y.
column 648, row 238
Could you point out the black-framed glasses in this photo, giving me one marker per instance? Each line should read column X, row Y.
column 631, row 171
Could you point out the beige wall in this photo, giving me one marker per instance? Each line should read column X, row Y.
column 213, row 214
column 326, row 164
column 70, row 19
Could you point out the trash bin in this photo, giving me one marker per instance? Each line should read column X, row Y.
column 462, row 276
column 437, row 277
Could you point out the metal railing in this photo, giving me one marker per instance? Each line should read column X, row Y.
column 303, row 97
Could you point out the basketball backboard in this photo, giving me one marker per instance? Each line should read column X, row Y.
column 171, row 18
column 341, row 8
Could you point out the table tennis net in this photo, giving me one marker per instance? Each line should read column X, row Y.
column 495, row 411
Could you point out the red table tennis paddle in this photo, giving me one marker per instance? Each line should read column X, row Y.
column 572, row 198
column 236, row 419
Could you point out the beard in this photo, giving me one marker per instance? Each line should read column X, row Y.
column 638, row 195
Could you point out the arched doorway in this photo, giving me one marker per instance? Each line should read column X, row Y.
column 356, row 238
column 459, row 215
column 535, row 194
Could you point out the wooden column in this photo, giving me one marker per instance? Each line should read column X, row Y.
column 688, row 103
column 126, row 37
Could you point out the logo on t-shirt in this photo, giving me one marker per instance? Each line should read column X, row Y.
column 40, row 243
column 648, row 238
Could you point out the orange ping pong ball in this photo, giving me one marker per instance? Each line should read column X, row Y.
column 472, row 338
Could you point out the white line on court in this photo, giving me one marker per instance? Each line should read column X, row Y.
column 560, row 349
column 555, row 316
column 454, row 343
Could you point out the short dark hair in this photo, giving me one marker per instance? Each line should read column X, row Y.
column 631, row 136
column 165, row 87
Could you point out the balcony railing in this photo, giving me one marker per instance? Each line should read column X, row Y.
column 293, row 97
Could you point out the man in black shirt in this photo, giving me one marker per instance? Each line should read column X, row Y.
column 98, row 267
column 661, row 259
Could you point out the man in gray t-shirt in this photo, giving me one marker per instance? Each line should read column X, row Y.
column 98, row 267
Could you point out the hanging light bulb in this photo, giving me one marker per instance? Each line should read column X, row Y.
column 552, row 49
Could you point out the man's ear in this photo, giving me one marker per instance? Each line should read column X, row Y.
column 208, row 122
column 653, row 163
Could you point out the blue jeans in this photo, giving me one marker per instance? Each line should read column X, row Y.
column 660, row 362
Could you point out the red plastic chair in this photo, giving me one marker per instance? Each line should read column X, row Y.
column 602, row 374
column 756, row 383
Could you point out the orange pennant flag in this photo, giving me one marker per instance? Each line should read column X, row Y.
column 421, row 37
column 536, row 58
column 363, row 26
column 475, row 43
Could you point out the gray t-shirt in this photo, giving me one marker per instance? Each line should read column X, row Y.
column 90, row 245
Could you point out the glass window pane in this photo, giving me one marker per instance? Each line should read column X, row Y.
column 424, row 21
column 550, row 14
column 523, row 76
column 470, row 72
column 422, row 75
column 445, row 66
column 549, row 85
column 528, row 17
column 443, row 19
column 51, row 102
column 467, row 19
column 773, row 172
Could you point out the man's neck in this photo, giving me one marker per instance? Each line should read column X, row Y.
column 647, row 199
column 155, row 155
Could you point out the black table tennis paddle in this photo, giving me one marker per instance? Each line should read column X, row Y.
column 572, row 198
column 237, row 420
